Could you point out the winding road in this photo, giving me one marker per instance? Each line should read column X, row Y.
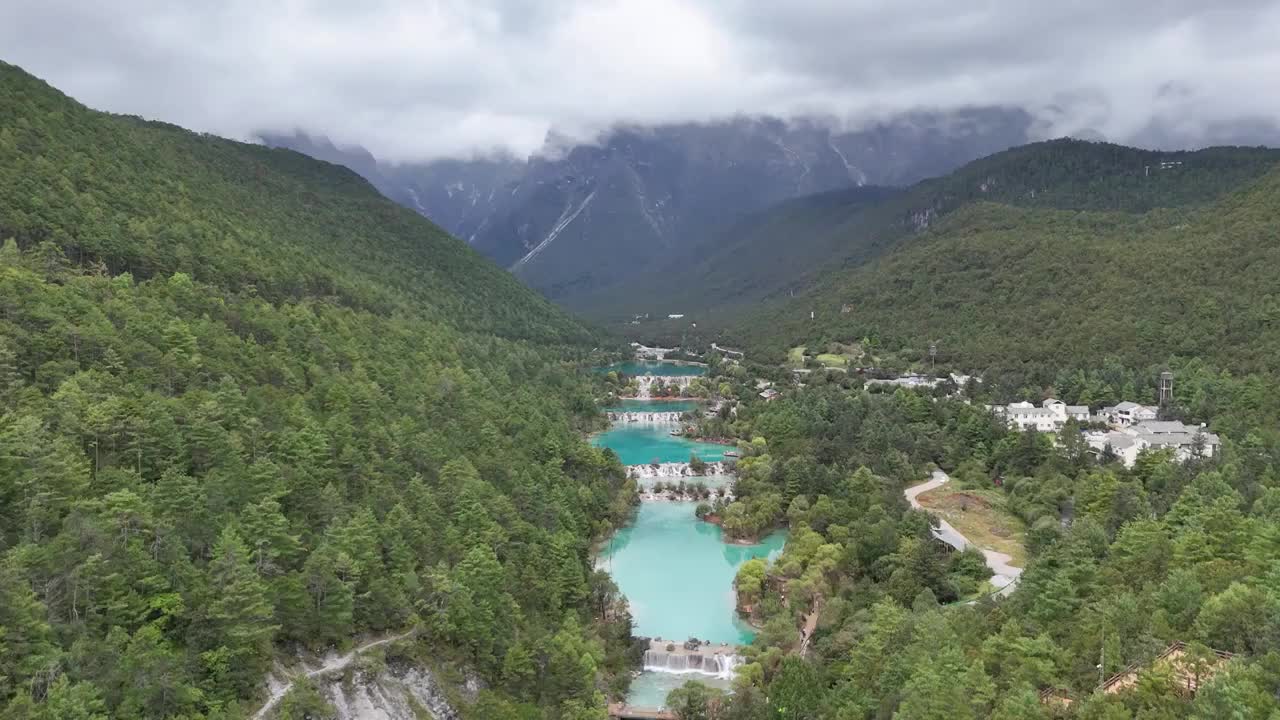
column 1004, row 576
column 332, row 664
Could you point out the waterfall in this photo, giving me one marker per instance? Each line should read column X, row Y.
column 644, row 385
column 647, row 418
column 672, row 470
column 720, row 665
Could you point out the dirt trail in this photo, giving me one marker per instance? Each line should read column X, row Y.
column 1004, row 575
column 331, row 664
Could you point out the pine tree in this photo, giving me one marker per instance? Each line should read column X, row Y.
column 272, row 546
column 151, row 679
column 239, row 612
column 331, row 598
column 72, row 701
column 26, row 640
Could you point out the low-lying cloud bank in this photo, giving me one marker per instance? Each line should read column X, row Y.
column 413, row 80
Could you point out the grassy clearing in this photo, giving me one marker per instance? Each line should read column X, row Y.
column 795, row 356
column 833, row 360
column 980, row 516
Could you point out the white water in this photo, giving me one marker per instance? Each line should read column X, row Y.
column 649, row 418
column 673, row 469
column 644, row 385
column 717, row 665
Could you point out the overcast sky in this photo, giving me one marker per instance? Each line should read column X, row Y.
column 413, row 79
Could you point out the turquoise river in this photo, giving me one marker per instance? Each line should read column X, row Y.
column 677, row 573
column 675, row 570
column 643, row 444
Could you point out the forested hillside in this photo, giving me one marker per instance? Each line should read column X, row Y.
column 148, row 198
column 997, row 285
column 247, row 405
column 795, row 255
column 1121, row 564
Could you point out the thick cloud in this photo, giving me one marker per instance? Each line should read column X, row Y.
column 413, row 79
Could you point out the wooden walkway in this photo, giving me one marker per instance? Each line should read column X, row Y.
column 1189, row 677
column 618, row 711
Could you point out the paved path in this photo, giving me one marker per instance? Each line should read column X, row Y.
column 331, row 664
column 1004, row 575
column 729, row 352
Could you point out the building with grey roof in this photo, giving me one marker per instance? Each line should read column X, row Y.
column 1128, row 413
column 1186, row 441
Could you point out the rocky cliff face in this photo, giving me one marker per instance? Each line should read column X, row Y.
column 577, row 218
column 396, row 692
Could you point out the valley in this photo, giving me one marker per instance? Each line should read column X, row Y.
column 676, row 361
column 579, row 217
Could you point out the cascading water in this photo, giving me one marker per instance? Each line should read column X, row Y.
column 673, row 469
column 719, row 665
column 648, row 418
column 645, row 383
column 666, row 534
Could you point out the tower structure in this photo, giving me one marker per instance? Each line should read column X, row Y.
column 1166, row 388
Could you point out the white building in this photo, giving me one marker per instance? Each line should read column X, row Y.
column 907, row 381
column 1079, row 413
column 1125, row 446
column 1025, row 416
column 1128, row 413
column 1186, row 441
column 1050, row 416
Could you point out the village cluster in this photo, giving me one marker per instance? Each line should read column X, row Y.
column 1126, row 428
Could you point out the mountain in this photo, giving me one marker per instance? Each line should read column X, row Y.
column 766, row 254
column 251, row 408
column 786, row 251
column 458, row 195
column 1054, row 252
column 577, row 218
